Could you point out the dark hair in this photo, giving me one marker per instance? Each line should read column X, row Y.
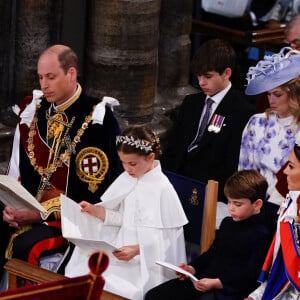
column 140, row 140
column 213, row 55
column 249, row 184
column 297, row 152
column 65, row 55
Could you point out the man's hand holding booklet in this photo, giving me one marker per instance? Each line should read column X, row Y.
column 14, row 195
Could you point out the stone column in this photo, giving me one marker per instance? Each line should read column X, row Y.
column 122, row 51
column 27, row 27
column 37, row 26
column 174, row 43
column 6, row 71
column 174, row 52
column 7, row 42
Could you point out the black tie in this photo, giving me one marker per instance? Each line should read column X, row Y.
column 201, row 128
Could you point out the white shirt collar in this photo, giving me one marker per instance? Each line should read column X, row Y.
column 219, row 96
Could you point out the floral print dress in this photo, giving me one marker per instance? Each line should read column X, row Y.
column 266, row 144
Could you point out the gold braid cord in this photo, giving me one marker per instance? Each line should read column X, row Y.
column 9, row 249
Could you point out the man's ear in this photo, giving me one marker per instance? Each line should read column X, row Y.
column 258, row 205
column 227, row 73
column 73, row 73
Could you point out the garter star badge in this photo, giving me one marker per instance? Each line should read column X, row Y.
column 91, row 166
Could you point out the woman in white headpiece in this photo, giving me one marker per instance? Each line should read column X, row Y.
column 143, row 207
column 269, row 137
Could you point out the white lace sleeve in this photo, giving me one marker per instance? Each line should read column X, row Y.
column 257, row 294
column 113, row 217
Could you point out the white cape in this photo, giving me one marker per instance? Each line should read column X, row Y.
column 152, row 216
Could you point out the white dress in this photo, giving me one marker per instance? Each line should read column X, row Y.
column 145, row 211
column 266, row 144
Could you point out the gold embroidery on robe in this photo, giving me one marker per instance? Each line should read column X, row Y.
column 52, row 206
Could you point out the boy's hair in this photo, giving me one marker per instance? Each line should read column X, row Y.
column 139, row 140
column 249, row 184
column 214, row 55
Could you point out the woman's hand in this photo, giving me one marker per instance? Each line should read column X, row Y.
column 19, row 218
column 207, row 284
column 187, row 268
column 126, row 253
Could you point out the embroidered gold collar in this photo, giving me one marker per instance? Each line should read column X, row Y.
column 56, row 157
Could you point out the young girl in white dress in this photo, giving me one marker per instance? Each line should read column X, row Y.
column 143, row 207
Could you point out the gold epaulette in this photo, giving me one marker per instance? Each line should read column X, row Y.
column 52, row 206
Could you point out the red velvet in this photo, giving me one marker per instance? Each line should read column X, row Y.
column 44, row 245
column 64, row 289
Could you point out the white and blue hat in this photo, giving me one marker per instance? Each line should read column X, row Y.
column 273, row 71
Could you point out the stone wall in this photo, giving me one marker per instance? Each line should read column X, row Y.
column 136, row 51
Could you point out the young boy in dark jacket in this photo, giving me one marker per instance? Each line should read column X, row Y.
column 230, row 268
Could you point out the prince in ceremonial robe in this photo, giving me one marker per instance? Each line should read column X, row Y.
column 64, row 144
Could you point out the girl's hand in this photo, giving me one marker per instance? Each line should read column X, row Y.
column 187, row 268
column 126, row 253
column 94, row 210
column 87, row 207
column 207, row 284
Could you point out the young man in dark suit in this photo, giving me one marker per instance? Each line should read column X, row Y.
column 205, row 140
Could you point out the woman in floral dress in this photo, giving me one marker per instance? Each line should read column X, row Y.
column 269, row 137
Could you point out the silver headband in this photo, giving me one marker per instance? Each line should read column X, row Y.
column 137, row 143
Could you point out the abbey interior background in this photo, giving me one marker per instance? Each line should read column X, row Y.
column 137, row 51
